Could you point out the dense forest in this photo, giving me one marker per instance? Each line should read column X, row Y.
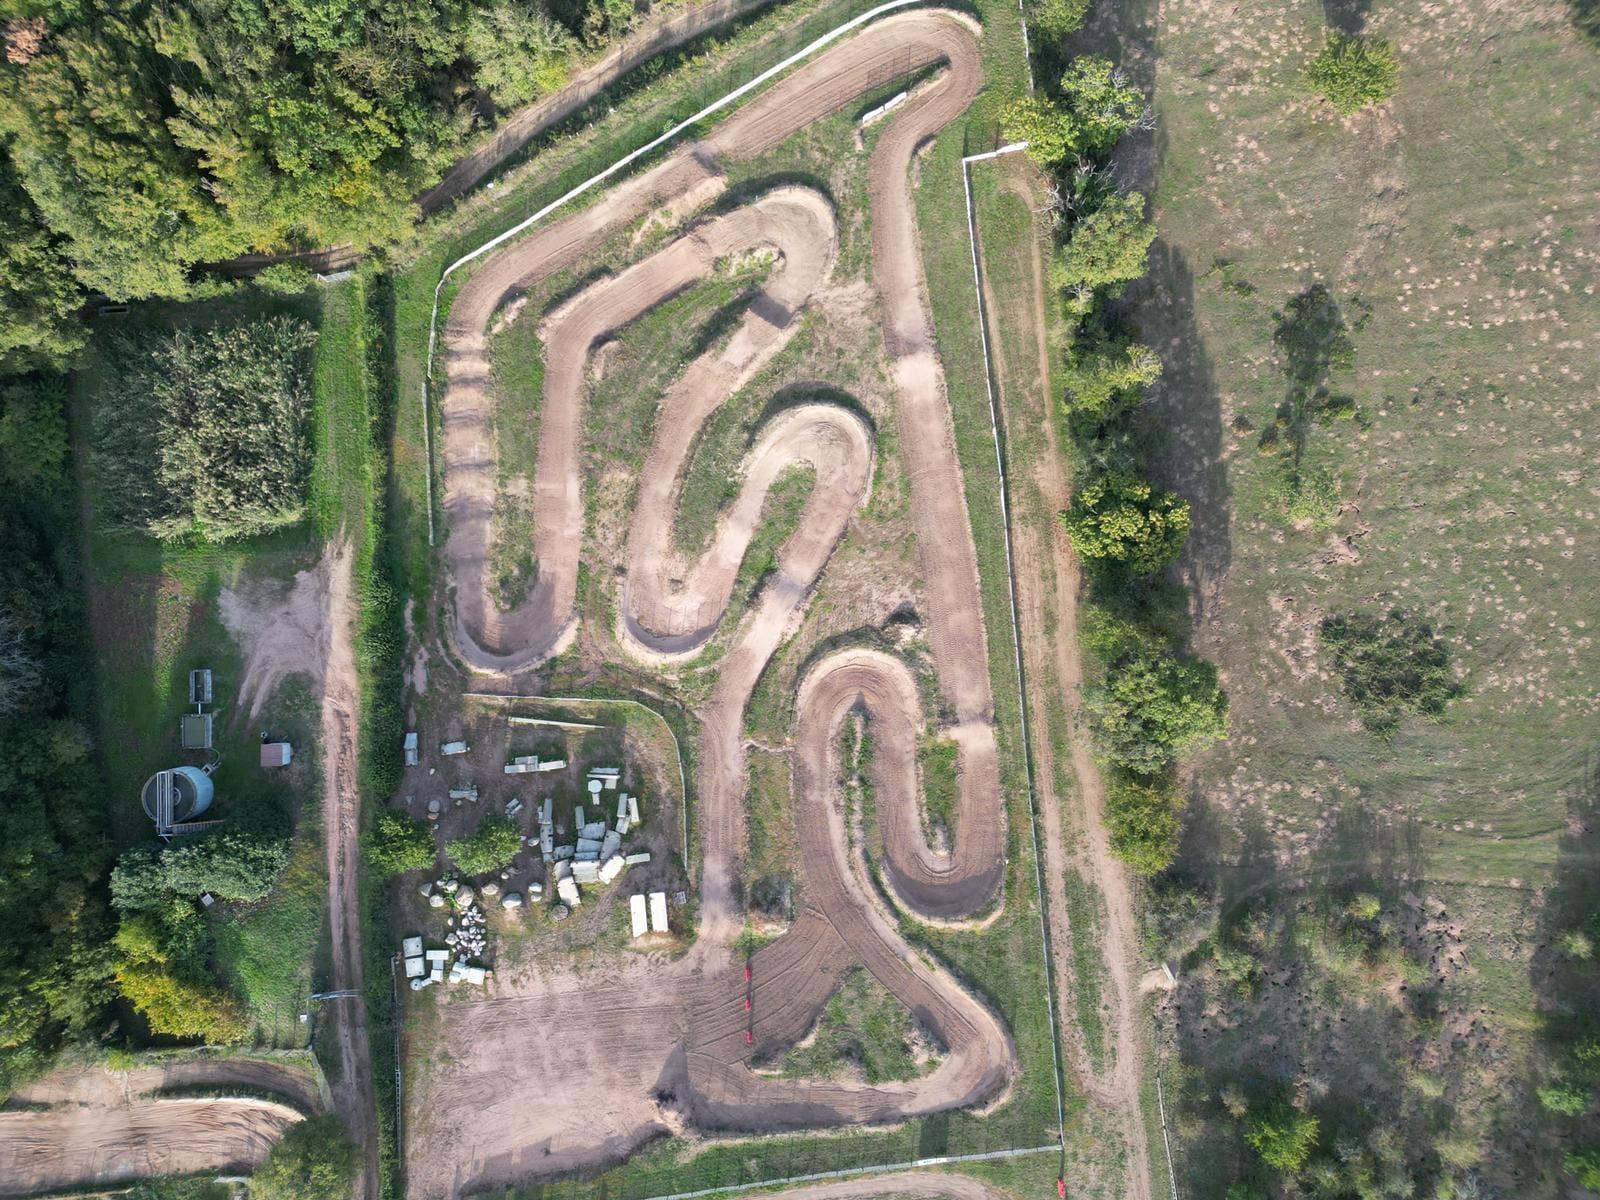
column 55, row 960
column 139, row 140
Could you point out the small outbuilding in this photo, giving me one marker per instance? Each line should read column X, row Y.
column 276, row 754
column 195, row 730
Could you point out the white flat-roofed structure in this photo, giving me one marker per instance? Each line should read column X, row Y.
column 638, row 911
column 658, row 912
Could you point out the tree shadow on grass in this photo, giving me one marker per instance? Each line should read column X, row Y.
column 1185, row 410
column 1348, row 17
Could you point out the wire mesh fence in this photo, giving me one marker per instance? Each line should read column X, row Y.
column 773, row 1159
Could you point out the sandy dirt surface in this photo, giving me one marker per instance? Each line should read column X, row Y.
column 679, row 1036
column 309, row 627
column 341, row 816
column 104, row 1126
column 1049, row 629
column 281, row 630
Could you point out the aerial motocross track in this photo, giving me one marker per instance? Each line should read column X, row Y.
column 687, row 1039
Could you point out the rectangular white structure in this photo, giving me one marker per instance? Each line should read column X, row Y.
column 411, row 947
column 415, row 968
column 611, row 868
column 658, row 912
column 636, row 910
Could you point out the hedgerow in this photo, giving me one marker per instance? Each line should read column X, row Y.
column 1154, row 703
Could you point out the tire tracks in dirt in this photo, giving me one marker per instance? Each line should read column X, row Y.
column 341, row 815
column 98, row 1126
column 792, row 978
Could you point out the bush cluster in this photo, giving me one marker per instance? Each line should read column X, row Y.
column 397, row 843
column 490, row 847
column 1154, row 703
column 1353, row 73
column 1390, row 667
column 162, row 950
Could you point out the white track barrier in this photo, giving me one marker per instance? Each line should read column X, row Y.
column 621, row 164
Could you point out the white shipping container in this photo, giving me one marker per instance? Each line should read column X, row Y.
column 636, row 910
column 658, row 912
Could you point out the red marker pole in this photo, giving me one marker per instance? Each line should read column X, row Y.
column 1061, row 1188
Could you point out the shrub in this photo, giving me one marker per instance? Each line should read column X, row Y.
column 1567, row 1099
column 1127, row 522
column 314, row 1161
column 1390, row 666
column 1354, row 72
column 234, row 866
column 1283, row 1137
column 172, row 1002
column 491, row 847
column 1054, row 19
column 285, row 278
column 1104, row 105
column 398, row 843
column 1142, row 819
column 1155, row 706
column 168, row 1187
column 1106, row 250
column 207, row 432
column 1584, row 1166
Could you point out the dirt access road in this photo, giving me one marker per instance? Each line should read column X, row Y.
column 678, row 1038
column 1047, row 589
column 92, row 1125
column 308, row 628
column 341, row 815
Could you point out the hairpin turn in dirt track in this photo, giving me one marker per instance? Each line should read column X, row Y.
column 682, row 1029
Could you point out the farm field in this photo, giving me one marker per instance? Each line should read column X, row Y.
column 1456, row 230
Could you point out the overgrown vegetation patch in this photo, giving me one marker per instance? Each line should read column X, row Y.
column 1390, row 667
column 206, row 431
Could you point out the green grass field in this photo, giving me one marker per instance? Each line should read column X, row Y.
column 1456, row 229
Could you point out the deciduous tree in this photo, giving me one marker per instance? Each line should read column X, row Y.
column 1127, row 523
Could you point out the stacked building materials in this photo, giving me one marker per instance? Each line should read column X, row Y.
column 466, row 792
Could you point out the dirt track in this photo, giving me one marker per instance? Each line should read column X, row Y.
column 106, row 1126
column 341, row 816
column 689, row 1054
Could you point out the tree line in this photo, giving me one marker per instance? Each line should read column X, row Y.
column 1154, row 703
column 139, row 140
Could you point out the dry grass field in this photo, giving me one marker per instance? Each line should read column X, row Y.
column 1456, row 228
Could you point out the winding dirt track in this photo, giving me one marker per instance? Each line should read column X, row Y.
column 670, row 607
column 105, row 1127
